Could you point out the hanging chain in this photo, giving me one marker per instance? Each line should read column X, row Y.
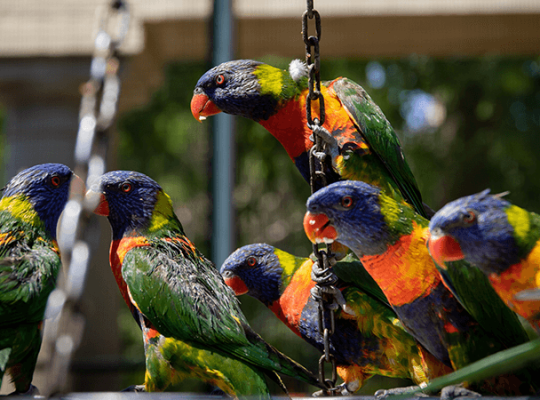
column 78, row 232
column 322, row 274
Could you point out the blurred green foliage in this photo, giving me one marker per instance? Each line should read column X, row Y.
column 489, row 137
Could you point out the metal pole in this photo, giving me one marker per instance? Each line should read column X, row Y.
column 223, row 141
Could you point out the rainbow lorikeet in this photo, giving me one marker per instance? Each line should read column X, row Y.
column 390, row 240
column 180, row 299
column 501, row 239
column 29, row 263
column 169, row 361
column 368, row 340
column 362, row 143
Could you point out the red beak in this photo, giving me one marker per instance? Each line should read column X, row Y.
column 202, row 107
column 445, row 248
column 319, row 229
column 237, row 285
column 103, row 207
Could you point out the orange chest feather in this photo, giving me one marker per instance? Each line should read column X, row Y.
column 289, row 125
column 521, row 276
column 405, row 271
column 291, row 303
column 118, row 251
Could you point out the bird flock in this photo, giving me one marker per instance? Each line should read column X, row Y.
column 422, row 293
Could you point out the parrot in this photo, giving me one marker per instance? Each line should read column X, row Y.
column 368, row 338
column 191, row 320
column 501, row 239
column 29, row 263
column 361, row 142
column 389, row 238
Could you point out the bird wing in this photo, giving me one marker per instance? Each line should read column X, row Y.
column 474, row 291
column 380, row 136
column 183, row 295
column 28, row 272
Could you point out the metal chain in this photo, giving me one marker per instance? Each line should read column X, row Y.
column 323, row 292
column 78, row 232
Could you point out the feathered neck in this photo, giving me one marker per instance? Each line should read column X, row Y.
column 154, row 220
column 279, row 84
column 289, row 265
column 400, row 218
column 20, row 207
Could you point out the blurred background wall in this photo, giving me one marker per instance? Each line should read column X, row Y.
column 459, row 80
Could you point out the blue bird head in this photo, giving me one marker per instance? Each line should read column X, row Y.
column 349, row 212
column 45, row 187
column 255, row 270
column 238, row 88
column 132, row 201
column 476, row 228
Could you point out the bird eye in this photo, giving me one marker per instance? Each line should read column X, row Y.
column 220, row 79
column 251, row 261
column 347, row 201
column 55, row 181
column 126, row 187
column 469, row 217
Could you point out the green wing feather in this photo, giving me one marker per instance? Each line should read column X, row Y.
column 184, row 297
column 170, row 361
column 472, row 288
column 380, row 136
column 28, row 270
column 181, row 298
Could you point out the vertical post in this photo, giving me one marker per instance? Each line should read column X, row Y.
column 223, row 141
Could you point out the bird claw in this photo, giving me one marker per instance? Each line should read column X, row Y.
column 330, row 142
column 135, row 388
column 322, row 275
column 338, row 296
column 528, row 295
column 413, row 391
column 454, row 391
column 32, row 391
column 338, row 390
column 318, row 291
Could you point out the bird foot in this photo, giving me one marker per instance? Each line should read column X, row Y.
column 414, row 391
column 32, row 391
column 338, row 296
column 342, row 390
column 528, row 295
column 455, row 391
column 318, row 291
column 322, row 275
column 331, row 144
column 135, row 388
column 217, row 392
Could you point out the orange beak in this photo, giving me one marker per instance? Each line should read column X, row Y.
column 445, row 248
column 202, row 107
column 237, row 285
column 103, row 207
column 319, row 229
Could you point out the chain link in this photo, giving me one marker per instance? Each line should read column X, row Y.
column 323, row 292
column 78, row 232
